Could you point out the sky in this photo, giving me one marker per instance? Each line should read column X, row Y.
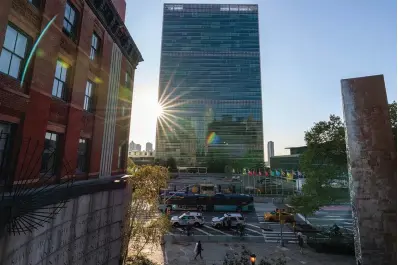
column 306, row 48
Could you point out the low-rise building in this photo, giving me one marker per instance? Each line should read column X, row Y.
column 288, row 162
column 142, row 157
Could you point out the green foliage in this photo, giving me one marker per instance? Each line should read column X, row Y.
column 171, row 164
column 139, row 260
column 243, row 258
column 305, row 204
column 146, row 226
column 324, row 163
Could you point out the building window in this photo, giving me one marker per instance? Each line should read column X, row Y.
column 95, row 41
column 70, row 21
column 5, row 142
column 82, row 155
column 36, row 3
column 127, row 80
column 121, row 157
column 88, row 97
column 60, row 80
column 49, row 157
column 13, row 52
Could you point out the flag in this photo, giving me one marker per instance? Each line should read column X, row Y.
column 259, row 173
column 266, row 173
column 272, row 173
column 289, row 176
column 277, row 173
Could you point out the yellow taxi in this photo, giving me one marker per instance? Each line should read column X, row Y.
column 276, row 215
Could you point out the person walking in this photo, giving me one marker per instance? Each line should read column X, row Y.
column 300, row 241
column 198, row 250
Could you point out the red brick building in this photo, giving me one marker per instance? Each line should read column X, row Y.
column 76, row 96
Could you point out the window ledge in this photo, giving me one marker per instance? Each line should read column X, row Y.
column 61, row 100
column 15, row 92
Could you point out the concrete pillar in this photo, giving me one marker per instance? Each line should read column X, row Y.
column 372, row 168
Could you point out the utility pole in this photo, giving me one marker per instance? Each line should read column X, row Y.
column 281, row 223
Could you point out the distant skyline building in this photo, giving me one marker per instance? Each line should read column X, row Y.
column 134, row 147
column 149, row 147
column 131, row 146
column 271, row 150
column 210, row 83
column 138, row 147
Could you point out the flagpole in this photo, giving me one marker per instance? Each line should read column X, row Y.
column 282, row 183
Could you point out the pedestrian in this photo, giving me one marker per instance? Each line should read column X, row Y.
column 198, row 250
column 229, row 223
column 300, row 241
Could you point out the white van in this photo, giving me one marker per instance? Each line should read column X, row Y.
column 237, row 219
column 192, row 218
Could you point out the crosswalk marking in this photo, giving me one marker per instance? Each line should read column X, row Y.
column 209, row 227
column 253, row 231
column 204, row 232
column 254, row 226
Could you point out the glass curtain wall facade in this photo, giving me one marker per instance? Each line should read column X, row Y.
column 210, row 87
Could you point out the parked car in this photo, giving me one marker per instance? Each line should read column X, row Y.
column 193, row 218
column 237, row 219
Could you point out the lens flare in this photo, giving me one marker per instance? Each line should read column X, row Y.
column 159, row 110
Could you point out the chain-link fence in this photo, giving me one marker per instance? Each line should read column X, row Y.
column 253, row 185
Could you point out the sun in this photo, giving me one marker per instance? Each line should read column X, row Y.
column 159, row 110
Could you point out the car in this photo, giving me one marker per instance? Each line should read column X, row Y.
column 235, row 177
column 237, row 219
column 274, row 216
column 192, row 218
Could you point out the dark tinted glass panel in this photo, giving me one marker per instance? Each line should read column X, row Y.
column 210, row 86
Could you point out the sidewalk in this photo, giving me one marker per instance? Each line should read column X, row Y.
column 213, row 254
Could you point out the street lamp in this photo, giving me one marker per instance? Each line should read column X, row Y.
column 253, row 259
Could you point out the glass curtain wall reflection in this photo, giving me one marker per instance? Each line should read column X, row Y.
column 210, row 87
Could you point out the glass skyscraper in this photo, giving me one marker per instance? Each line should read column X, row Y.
column 210, row 86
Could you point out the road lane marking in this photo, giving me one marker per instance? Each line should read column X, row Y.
column 254, row 226
column 209, row 227
column 253, row 231
column 204, row 232
column 328, row 219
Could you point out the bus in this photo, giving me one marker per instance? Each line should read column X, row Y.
column 201, row 202
column 207, row 189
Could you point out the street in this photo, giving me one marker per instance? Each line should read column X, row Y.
column 327, row 216
column 255, row 226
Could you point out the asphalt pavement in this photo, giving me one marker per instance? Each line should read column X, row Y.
column 256, row 226
column 327, row 216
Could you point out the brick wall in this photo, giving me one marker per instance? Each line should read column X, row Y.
column 33, row 107
column 120, row 6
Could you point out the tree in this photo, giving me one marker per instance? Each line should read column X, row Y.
column 171, row 164
column 140, row 260
column 324, row 163
column 144, row 224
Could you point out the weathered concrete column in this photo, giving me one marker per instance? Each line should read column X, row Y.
column 372, row 167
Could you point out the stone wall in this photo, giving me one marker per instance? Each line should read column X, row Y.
column 88, row 230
